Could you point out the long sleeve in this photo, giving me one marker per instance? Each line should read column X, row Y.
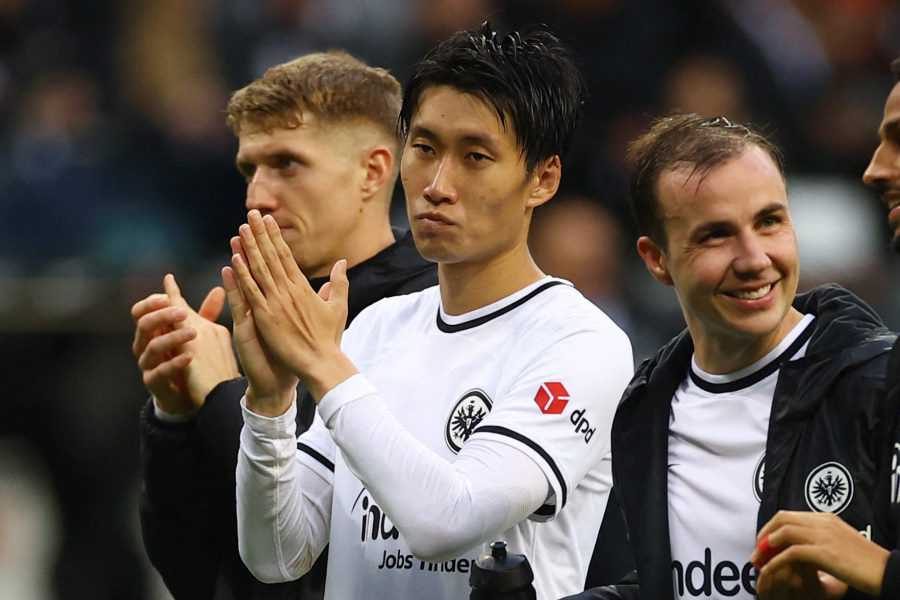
column 284, row 496
column 181, row 530
column 440, row 507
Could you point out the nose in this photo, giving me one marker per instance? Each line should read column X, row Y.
column 441, row 188
column 884, row 166
column 260, row 195
column 752, row 256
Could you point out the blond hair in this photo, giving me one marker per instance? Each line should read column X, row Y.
column 331, row 86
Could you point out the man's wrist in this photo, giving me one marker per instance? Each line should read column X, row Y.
column 169, row 415
column 267, row 404
column 329, row 375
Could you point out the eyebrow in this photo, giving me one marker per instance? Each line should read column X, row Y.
column 476, row 139
column 701, row 230
column 268, row 153
column 704, row 228
column 890, row 128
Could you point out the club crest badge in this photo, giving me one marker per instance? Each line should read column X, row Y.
column 467, row 413
column 759, row 474
column 829, row 488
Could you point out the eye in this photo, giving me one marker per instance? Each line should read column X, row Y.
column 713, row 235
column 770, row 221
column 247, row 171
column 423, row 148
column 478, row 157
column 287, row 162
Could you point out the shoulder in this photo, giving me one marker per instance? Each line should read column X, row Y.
column 562, row 310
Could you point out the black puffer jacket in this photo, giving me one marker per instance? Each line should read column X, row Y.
column 828, row 406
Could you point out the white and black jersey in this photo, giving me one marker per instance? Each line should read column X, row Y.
column 717, row 440
column 460, row 430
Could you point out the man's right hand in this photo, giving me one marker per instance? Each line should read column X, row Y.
column 269, row 381
column 183, row 354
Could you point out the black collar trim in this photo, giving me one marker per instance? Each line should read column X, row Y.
column 448, row 328
column 756, row 377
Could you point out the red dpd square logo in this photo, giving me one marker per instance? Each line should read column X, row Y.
column 552, row 398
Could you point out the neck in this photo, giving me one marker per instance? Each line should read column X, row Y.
column 370, row 242
column 364, row 243
column 467, row 286
column 720, row 355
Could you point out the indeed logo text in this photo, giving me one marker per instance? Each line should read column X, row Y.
column 705, row 578
column 375, row 524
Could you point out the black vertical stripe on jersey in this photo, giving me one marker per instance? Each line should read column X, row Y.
column 533, row 445
column 448, row 328
column 316, row 455
column 756, row 377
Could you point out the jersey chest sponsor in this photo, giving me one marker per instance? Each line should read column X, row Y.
column 708, row 577
column 385, row 550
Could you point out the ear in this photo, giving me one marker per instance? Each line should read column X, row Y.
column 378, row 165
column 655, row 259
column 545, row 181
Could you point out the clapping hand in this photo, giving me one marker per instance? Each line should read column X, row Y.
column 283, row 329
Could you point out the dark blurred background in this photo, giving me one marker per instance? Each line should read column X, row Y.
column 116, row 167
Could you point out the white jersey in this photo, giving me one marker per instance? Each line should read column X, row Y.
column 717, row 441
column 527, row 386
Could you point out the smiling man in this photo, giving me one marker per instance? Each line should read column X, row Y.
column 469, row 412
column 767, row 400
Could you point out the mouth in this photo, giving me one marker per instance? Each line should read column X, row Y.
column 889, row 193
column 433, row 219
column 754, row 294
column 891, row 199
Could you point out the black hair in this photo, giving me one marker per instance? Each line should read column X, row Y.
column 530, row 79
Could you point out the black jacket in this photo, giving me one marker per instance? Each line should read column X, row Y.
column 887, row 508
column 827, row 406
column 188, row 518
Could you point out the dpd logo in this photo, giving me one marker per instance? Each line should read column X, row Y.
column 552, row 397
column 829, row 488
column 467, row 413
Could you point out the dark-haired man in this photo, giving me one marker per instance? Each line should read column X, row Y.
column 811, row 541
column 768, row 400
column 317, row 142
column 469, row 412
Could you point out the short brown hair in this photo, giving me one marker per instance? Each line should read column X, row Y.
column 683, row 140
column 332, row 86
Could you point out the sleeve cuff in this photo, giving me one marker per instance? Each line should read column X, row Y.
column 353, row 388
column 172, row 418
column 890, row 586
column 273, row 427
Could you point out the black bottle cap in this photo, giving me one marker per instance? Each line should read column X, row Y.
column 500, row 571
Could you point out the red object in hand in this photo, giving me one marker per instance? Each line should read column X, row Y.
column 765, row 551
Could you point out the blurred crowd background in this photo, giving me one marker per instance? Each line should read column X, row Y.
column 116, row 167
